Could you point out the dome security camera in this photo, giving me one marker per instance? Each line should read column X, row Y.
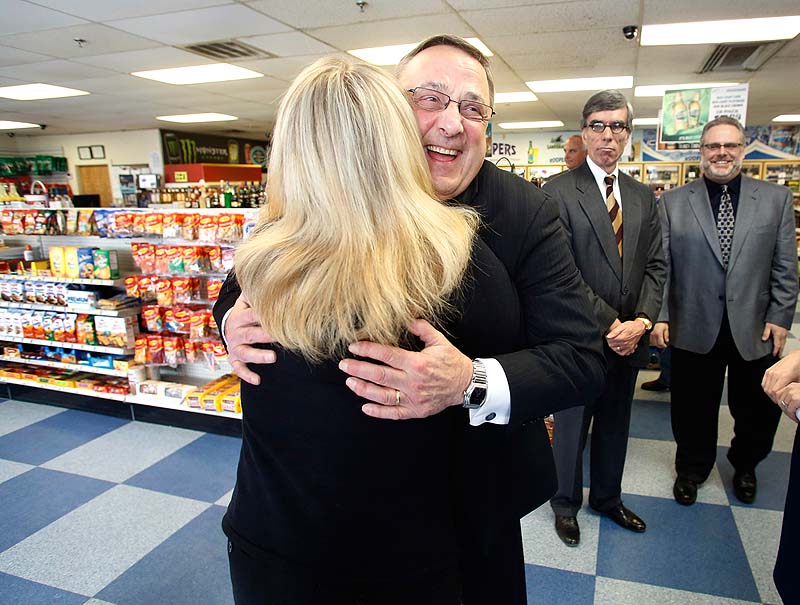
column 630, row 32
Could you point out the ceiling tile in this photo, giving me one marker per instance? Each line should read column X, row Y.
column 105, row 10
column 681, row 11
column 552, row 17
column 19, row 16
column 326, row 13
column 202, row 25
column 51, row 72
column 14, row 56
column 61, row 42
column 396, row 31
column 285, row 68
column 289, row 44
column 162, row 57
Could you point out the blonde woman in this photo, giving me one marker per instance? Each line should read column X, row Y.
column 333, row 506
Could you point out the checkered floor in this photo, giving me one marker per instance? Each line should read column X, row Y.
column 96, row 510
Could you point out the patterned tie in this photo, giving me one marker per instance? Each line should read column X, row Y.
column 614, row 211
column 725, row 221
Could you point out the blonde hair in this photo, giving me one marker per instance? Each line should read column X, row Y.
column 353, row 243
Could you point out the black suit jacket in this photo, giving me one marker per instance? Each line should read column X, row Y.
column 511, row 466
column 618, row 288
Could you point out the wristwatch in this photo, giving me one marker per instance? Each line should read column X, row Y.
column 475, row 393
column 648, row 325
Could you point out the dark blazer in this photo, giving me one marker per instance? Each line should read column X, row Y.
column 618, row 288
column 563, row 365
column 760, row 283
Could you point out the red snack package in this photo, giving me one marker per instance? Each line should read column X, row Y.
column 207, row 229
column 139, row 224
column 190, row 348
column 214, row 259
column 147, row 288
column 226, row 228
column 155, row 349
column 198, row 324
column 154, row 223
column 132, row 285
column 189, row 226
column 171, row 225
column 207, row 349
column 173, row 351
column 151, row 317
column 228, row 256
column 140, row 350
column 164, row 292
column 214, row 286
column 162, row 261
column 175, row 259
column 182, row 289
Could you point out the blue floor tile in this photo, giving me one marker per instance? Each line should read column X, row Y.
column 190, row 567
column 51, row 437
column 650, row 420
column 547, row 585
column 203, row 470
column 37, row 498
column 18, row 590
column 694, row 548
column 772, row 476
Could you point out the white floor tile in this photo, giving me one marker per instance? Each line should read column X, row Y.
column 86, row 549
column 9, row 469
column 542, row 545
column 225, row 500
column 760, row 531
column 15, row 415
column 124, row 452
column 619, row 592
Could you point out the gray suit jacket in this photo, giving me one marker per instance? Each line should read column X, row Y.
column 617, row 288
column 760, row 284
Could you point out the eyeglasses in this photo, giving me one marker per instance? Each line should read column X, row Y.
column 598, row 127
column 726, row 146
column 433, row 100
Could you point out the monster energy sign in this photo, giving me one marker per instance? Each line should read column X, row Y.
column 189, row 148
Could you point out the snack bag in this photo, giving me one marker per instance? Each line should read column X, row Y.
column 154, row 223
column 147, row 288
column 155, row 349
column 162, row 261
column 189, row 226
column 171, row 225
column 173, row 351
column 228, row 256
column 198, row 325
column 151, row 318
column 175, row 259
column 181, row 289
column 84, row 330
column 85, row 222
column 140, row 350
column 139, row 224
column 101, row 222
column 214, row 286
column 106, row 265
column 214, row 254
column 207, row 229
column 164, row 295
column 86, row 263
column 190, row 348
column 132, row 285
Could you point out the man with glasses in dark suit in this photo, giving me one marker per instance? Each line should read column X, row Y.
column 731, row 292
column 613, row 228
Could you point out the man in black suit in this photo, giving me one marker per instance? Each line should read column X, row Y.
column 613, row 228
column 509, row 466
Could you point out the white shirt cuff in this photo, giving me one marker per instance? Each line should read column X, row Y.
column 497, row 408
column 222, row 326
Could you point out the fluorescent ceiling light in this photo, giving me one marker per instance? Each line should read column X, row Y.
column 530, row 125
column 514, row 97
column 645, row 121
column 6, row 125
column 717, row 32
column 391, row 55
column 576, row 84
column 38, row 91
column 787, row 117
column 199, row 74
column 190, row 118
column 658, row 90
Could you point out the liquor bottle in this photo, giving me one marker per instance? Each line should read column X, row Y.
column 679, row 113
column 228, row 195
column 255, row 192
column 531, row 153
column 694, row 111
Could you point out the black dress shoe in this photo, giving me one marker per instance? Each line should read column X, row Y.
column 625, row 518
column 655, row 385
column 685, row 491
column 744, row 486
column 568, row 530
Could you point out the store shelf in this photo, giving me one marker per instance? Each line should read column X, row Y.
column 180, row 408
column 66, row 366
column 62, row 280
column 52, row 387
column 130, row 311
column 69, row 345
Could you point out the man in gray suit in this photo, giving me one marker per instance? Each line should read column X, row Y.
column 730, row 298
column 614, row 232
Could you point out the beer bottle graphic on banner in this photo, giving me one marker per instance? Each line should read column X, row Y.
column 531, row 153
column 694, row 111
column 679, row 113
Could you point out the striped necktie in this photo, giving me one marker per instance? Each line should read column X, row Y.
column 725, row 223
column 614, row 211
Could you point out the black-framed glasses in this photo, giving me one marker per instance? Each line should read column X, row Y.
column 433, row 100
column 732, row 147
column 598, row 127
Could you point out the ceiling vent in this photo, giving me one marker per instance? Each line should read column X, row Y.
column 227, row 50
column 740, row 57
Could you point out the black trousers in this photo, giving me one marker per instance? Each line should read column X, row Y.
column 697, row 382
column 260, row 580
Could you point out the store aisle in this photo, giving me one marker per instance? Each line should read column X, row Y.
column 96, row 510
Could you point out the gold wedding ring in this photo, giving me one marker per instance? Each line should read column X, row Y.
column 785, row 406
column 397, row 397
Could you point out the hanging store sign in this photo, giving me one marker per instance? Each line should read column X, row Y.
column 684, row 113
column 190, row 148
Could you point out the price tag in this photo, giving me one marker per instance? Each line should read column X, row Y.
column 182, row 177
